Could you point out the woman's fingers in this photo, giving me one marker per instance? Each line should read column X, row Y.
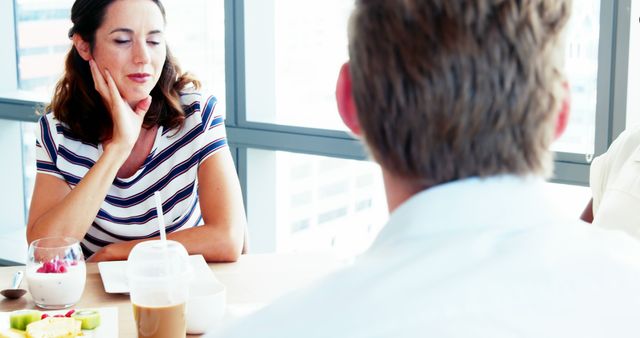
column 143, row 106
column 113, row 89
column 106, row 86
column 98, row 80
column 126, row 121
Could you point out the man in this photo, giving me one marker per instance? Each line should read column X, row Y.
column 458, row 101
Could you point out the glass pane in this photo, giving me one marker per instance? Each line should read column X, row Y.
column 633, row 84
column 199, row 44
column 294, row 50
column 306, row 203
column 29, row 130
column 581, row 65
column 42, row 27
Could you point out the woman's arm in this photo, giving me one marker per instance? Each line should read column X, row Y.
column 58, row 210
column 587, row 214
column 220, row 238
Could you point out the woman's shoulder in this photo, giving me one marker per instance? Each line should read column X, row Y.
column 198, row 105
column 52, row 118
column 49, row 121
column 47, row 117
column 190, row 96
column 57, row 131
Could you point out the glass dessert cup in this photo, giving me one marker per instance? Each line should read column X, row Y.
column 56, row 272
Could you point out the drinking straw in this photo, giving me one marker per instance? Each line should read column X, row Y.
column 163, row 240
column 163, row 233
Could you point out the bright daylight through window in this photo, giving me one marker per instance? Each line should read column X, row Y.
column 293, row 50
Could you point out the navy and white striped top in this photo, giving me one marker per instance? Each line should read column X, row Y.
column 128, row 211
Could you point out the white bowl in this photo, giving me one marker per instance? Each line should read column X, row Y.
column 206, row 306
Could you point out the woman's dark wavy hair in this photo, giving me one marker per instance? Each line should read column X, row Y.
column 76, row 101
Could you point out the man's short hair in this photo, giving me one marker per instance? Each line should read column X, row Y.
column 448, row 89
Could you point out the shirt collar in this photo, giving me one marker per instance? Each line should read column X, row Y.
column 472, row 204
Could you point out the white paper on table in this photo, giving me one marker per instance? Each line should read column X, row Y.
column 114, row 274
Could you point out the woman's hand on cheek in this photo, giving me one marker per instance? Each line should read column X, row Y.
column 126, row 121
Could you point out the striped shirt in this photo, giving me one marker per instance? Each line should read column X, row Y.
column 128, row 211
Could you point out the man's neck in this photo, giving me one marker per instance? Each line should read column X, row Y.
column 398, row 189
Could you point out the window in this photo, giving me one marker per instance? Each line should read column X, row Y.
column 195, row 35
column 29, row 131
column 633, row 88
column 294, row 50
column 329, row 208
column 581, row 66
column 274, row 64
column 43, row 25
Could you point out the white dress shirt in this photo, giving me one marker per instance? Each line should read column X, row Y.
column 615, row 184
column 473, row 258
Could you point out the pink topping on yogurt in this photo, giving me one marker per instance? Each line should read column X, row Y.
column 55, row 266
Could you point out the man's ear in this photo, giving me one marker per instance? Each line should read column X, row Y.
column 346, row 105
column 563, row 116
column 83, row 47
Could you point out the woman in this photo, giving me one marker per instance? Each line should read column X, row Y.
column 124, row 122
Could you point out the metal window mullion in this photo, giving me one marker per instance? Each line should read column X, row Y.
column 613, row 64
column 235, row 84
column 19, row 109
column 234, row 61
column 15, row 45
column 605, row 74
column 241, row 167
column 620, row 68
column 347, row 148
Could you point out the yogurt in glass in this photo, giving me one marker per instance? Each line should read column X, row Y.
column 56, row 272
column 57, row 290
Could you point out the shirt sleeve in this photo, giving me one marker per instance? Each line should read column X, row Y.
column 214, row 132
column 605, row 168
column 46, row 148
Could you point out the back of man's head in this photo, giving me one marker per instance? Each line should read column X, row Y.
column 448, row 89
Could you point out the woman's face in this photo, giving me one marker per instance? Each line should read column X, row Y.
column 131, row 45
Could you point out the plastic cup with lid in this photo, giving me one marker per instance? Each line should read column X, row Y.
column 159, row 274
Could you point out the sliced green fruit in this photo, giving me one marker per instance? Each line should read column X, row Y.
column 90, row 318
column 20, row 319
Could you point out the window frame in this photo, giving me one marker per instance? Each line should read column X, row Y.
column 570, row 168
column 613, row 58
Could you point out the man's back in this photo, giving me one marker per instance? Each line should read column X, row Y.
column 476, row 258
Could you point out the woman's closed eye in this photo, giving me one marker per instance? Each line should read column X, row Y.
column 125, row 41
